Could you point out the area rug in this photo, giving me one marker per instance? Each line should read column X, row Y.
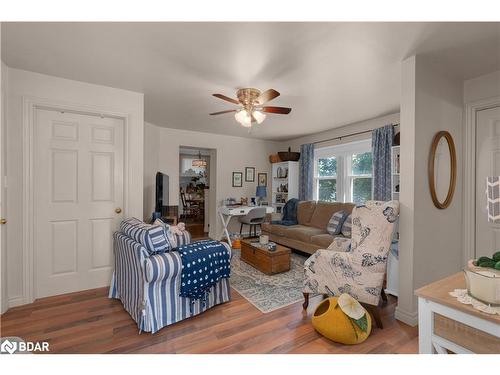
column 268, row 293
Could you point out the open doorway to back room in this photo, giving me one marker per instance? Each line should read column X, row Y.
column 194, row 190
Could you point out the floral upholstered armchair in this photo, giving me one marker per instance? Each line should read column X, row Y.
column 355, row 265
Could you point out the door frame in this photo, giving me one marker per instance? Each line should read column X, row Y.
column 469, row 212
column 30, row 105
column 212, row 178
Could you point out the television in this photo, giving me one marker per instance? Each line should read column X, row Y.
column 161, row 202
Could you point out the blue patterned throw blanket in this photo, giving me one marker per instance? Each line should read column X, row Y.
column 289, row 213
column 204, row 263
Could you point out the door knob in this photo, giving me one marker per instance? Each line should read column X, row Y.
column 3, row 221
column 118, row 210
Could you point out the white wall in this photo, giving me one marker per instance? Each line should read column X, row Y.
column 233, row 154
column 483, row 87
column 3, row 237
column 23, row 84
column 341, row 131
column 405, row 310
column 430, row 245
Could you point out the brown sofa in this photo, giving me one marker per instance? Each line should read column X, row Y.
column 310, row 234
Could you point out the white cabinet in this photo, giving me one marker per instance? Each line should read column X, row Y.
column 285, row 183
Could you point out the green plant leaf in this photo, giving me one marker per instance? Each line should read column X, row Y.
column 351, row 320
column 362, row 323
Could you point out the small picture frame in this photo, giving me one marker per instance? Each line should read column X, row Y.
column 262, row 179
column 237, row 179
column 249, row 174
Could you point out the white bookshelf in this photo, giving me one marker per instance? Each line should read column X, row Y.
column 284, row 188
column 395, row 172
column 392, row 261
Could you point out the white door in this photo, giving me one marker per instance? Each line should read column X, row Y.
column 78, row 195
column 487, row 164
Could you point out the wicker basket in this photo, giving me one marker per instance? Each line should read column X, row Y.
column 274, row 158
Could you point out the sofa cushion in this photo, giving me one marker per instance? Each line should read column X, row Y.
column 323, row 240
column 152, row 237
column 334, row 226
column 324, row 211
column 303, row 233
column 347, row 226
column 305, row 211
column 277, row 229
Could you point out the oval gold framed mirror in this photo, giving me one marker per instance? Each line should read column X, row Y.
column 442, row 169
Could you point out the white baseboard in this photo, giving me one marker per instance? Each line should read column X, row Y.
column 16, row 301
column 407, row 317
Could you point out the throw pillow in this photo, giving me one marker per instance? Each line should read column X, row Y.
column 335, row 224
column 177, row 235
column 152, row 237
column 168, row 232
column 347, row 226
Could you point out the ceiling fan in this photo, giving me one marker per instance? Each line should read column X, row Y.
column 252, row 109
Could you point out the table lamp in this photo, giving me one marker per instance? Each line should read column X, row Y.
column 261, row 193
column 493, row 198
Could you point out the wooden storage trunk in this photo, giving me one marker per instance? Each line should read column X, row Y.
column 268, row 262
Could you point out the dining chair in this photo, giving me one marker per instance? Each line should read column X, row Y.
column 255, row 216
column 188, row 210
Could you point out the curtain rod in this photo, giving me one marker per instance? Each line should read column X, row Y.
column 348, row 135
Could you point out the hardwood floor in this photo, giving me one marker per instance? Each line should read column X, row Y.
column 89, row 322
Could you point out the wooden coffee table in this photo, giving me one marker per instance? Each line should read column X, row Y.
column 268, row 262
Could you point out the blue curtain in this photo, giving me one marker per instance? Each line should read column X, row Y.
column 306, row 172
column 381, row 156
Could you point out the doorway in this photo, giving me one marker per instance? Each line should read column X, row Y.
column 195, row 192
column 487, row 236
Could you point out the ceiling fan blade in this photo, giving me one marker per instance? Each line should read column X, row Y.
column 221, row 112
column 267, row 96
column 226, row 98
column 279, row 110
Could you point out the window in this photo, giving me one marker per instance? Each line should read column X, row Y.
column 327, row 179
column 344, row 173
column 360, row 177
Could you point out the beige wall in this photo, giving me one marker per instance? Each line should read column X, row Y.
column 430, row 245
column 233, row 154
column 341, row 131
column 483, row 87
column 24, row 84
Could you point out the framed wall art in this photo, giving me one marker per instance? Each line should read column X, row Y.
column 237, row 179
column 249, row 174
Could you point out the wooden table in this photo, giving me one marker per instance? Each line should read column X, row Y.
column 444, row 324
column 268, row 262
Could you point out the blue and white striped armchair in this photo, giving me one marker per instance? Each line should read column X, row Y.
column 149, row 285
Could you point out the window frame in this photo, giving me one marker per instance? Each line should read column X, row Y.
column 344, row 177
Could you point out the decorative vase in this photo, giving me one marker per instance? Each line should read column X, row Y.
column 483, row 283
column 330, row 321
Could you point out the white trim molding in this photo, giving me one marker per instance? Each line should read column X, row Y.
column 408, row 317
column 30, row 104
column 469, row 222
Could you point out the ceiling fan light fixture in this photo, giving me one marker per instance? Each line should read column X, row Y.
column 199, row 162
column 259, row 116
column 251, row 106
column 243, row 118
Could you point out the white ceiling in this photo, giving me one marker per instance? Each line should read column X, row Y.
column 331, row 74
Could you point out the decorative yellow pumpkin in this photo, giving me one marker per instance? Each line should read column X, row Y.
column 330, row 321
